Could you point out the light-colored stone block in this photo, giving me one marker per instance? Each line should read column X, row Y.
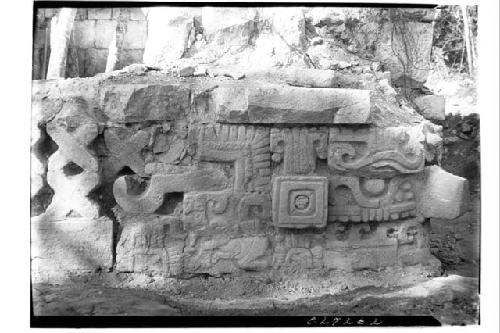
column 300, row 201
column 292, row 105
column 444, row 195
column 432, row 107
column 74, row 245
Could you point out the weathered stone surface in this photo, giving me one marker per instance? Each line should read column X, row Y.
column 225, row 211
column 73, row 245
column 218, row 255
column 151, row 245
column 246, row 146
column 372, row 246
column 152, row 198
column 353, row 199
column 300, row 201
column 37, row 167
column 140, row 102
column 292, row 105
column 73, row 170
column 406, row 52
column 125, row 146
column 377, row 152
column 312, row 78
column 432, row 107
column 444, row 194
column 299, row 148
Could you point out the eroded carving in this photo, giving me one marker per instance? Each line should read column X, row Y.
column 376, row 152
column 73, row 170
column 246, row 146
column 361, row 200
column 184, row 180
column 125, row 146
column 298, row 148
column 300, row 201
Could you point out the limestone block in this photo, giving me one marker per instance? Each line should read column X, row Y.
column 300, row 201
column 377, row 245
column 141, row 102
column 444, row 195
column 299, row 148
column 99, row 13
column 432, row 107
column 247, row 252
column 225, row 211
column 292, row 105
column 377, row 152
column 95, row 61
column 72, row 245
column 219, row 254
column 312, row 78
column 104, row 32
column 151, row 245
column 84, row 34
column 136, row 35
column 245, row 146
column 73, row 170
column 125, row 146
column 353, row 199
column 152, row 198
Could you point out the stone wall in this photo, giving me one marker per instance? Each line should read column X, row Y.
column 91, row 38
column 177, row 176
column 334, row 38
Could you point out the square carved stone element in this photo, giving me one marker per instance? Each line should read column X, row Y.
column 300, row 201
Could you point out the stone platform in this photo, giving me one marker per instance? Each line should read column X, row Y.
column 177, row 177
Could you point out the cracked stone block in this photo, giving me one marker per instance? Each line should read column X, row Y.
column 432, row 107
column 75, row 245
column 444, row 195
column 141, row 102
column 292, row 105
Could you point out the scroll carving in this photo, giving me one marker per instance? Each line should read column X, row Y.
column 374, row 152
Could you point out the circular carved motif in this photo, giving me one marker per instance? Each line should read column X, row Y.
column 301, row 202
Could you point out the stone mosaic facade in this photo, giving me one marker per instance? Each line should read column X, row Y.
column 179, row 176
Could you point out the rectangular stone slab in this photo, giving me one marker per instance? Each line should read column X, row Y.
column 72, row 245
column 274, row 104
